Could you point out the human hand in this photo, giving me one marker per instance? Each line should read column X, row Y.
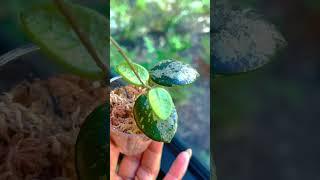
column 146, row 166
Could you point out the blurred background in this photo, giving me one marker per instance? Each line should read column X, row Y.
column 152, row 31
column 266, row 121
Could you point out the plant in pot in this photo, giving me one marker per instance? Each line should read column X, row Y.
column 76, row 38
column 144, row 110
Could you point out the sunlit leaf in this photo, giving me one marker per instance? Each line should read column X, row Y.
column 161, row 102
column 127, row 73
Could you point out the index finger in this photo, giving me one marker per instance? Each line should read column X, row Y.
column 150, row 163
column 179, row 166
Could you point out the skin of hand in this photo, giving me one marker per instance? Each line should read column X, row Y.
column 146, row 166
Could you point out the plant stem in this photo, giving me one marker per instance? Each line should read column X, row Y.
column 82, row 36
column 128, row 61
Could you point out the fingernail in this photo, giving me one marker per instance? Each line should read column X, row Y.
column 189, row 151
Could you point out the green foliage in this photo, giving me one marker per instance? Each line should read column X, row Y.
column 174, row 30
column 164, row 36
column 151, row 125
column 174, row 48
column 161, row 102
column 158, row 104
column 128, row 74
column 91, row 147
column 46, row 26
column 130, row 18
column 169, row 73
column 173, row 73
column 160, row 38
column 116, row 58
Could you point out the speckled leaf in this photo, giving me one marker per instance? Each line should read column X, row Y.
column 151, row 125
column 171, row 73
column 161, row 102
column 46, row 27
column 92, row 150
column 125, row 71
column 242, row 41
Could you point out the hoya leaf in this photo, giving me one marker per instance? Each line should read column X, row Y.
column 126, row 72
column 172, row 73
column 243, row 41
column 91, row 146
column 161, row 102
column 151, row 125
column 49, row 29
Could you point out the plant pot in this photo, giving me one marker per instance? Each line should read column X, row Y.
column 128, row 143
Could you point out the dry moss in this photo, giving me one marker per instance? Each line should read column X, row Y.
column 122, row 102
column 39, row 123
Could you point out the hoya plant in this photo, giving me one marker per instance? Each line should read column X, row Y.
column 154, row 112
column 77, row 39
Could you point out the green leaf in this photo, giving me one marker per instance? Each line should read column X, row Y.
column 126, row 72
column 151, row 125
column 161, row 102
column 171, row 73
column 243, row 41
column 48, row 28
column 92, row 147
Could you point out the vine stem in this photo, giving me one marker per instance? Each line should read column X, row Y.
column 83, row 38
column 128, row 61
